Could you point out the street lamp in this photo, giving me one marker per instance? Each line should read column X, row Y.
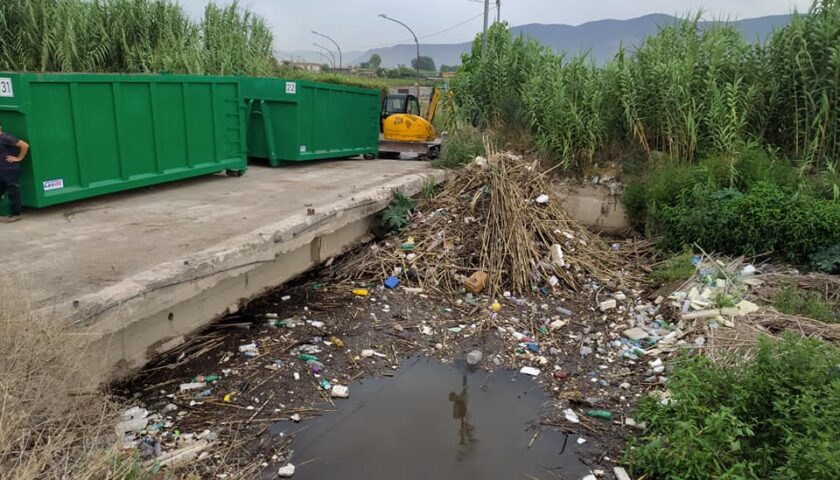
column 328, row 51
column 416, row 42
column 324, row 55
column 340, row 60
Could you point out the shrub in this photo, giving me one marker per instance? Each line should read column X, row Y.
column 677, row 268
column 395, row 216
column 773, row 417
column 460, row 148
column 684, row 205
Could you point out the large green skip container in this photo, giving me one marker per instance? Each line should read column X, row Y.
column 300, row 120
column 95, row 134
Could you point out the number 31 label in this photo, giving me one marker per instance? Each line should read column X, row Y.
column 6, row 87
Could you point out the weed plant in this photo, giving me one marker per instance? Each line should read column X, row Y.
column 773, row 417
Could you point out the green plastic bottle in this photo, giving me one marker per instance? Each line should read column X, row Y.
column 603, row 414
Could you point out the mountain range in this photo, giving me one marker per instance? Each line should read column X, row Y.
column 601, row 39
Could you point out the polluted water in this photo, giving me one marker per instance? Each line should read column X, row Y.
column 434, row 421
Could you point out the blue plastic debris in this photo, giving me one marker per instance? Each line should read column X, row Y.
column 392, row 282
column 533, row 347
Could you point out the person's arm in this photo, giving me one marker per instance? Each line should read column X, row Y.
column 24, row 149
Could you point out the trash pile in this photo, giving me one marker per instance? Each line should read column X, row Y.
column 723, row 309
column 493, row 228
column 156, row 439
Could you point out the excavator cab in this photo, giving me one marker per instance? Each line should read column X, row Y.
column 405, row 129
column 400, row 103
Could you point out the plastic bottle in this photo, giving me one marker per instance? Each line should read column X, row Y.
column 603, row 414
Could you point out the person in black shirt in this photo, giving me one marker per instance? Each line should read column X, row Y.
column 10, row 171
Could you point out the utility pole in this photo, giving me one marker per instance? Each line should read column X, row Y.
column 486, row 19
column 498, row 11
column 416, row 42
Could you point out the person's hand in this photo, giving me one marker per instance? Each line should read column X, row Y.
column 13, row 159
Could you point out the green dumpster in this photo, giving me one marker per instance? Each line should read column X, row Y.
column 95, row 134
column 299, row 120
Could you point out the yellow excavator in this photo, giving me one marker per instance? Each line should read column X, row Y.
column 404, row 130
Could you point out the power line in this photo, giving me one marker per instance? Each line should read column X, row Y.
column 440, row 32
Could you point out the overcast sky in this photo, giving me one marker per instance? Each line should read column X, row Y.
column 355, row 25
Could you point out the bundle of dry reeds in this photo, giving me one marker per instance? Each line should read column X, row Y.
column 494, row 216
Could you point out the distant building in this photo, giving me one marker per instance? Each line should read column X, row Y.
column 308, row 66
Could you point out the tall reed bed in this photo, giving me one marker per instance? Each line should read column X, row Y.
column 131, row 36
column 692, row 90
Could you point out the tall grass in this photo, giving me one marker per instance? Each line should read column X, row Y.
column 692, row 90
column 131, row 36
column 51, row 425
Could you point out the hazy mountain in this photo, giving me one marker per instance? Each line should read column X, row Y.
column 600, row 38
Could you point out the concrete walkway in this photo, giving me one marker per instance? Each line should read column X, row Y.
column 111, row 262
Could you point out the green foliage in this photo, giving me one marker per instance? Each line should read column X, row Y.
column 374, row 62
column 129, row 36
column 793, row 301
column 676, row 268
column 749, row 204
column 766, row 218
column 564, row 105
column 429, row 187
column 488, row 87
column 395, row 216
column 460, row 148
column 427, row 64
column 774, row 417
column 300, row 74
column 827, row 260
column 691, row 91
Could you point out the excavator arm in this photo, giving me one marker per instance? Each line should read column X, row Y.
column 433, row 105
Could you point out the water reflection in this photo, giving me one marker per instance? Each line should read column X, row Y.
column 424, row 423
column 460, row 412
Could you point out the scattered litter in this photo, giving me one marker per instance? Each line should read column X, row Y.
column 571, row 416
column 602, row 414
column 286, row 471
column 340, row 391
column 185, row 387
column 474, row 357
column 392, row 282
column 620, row 473
column 476, row 282
column 543, row 199
column 607, row 305
column 530, row 371
column 636, row 333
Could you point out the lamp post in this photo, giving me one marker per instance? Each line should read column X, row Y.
column 324, row 55
column 416, row 42
column 340, row 60
column 328, row 51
